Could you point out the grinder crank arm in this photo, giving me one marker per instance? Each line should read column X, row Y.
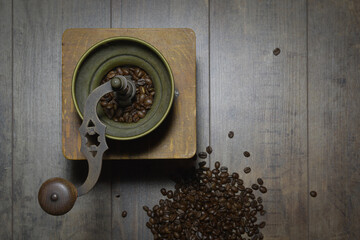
column 57, row 196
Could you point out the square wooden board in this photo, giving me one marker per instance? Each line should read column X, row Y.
column 175, row 138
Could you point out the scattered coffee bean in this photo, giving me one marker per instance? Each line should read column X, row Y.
column 262, row 225
column 263, row 189
column 142, row 101
column 255, row 186
column 202, row 155
column 260, row 181
column 247, row 170
column 163, row 191
column 313, row 193
column 217, row 165
column 246, row 154
column 202, row 164
column 207, row 204
column 124, row 214
column 231, row 134
column 117, row 195
column 209, row 149
column 276, row 51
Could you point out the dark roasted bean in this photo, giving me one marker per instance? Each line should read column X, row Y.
column 313, row 193
column 163, row 191
column 148, row 102
column 124, row 214
column 103, row 103
column 231, row 134
column 209, row 149
column 276, row 51
column 246, row 154
column 170, row 194
column 263, row 189
column 260, row 181
column 202, row 164
column 111, row 74
column 262, row 225
column 202, row 155
column 247, row 170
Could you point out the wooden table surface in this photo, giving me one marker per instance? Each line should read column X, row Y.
column 297, row 113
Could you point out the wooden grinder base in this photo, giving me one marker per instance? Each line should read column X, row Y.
column 175, row 138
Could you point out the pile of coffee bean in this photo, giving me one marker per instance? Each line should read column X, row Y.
column 142, row 101
column 208, row 204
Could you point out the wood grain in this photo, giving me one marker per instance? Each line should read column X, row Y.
column 262, row 99
column 139, row 182
column 176, row 137
column 334, row 113
column 38, row 27
column 6, row 119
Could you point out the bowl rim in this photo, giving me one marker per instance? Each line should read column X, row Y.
column 137, row 40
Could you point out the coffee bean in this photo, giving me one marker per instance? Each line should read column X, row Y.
column 260, row 181
column 209, row 149
column 246, row 154
column 247, row 170
column 263, row 189
column 262, row 225
column 111, row 74
column 148, row 225
column 217, row 165
column 313, row 193
column 202, row 155
column 140, row 82
column 124, row 214
column 276, row 51
column 235, row 175
column 119, row 71
column 231, row 134
column 103, row 103
column 148, row 102
column 202, row 164
column 163, row 191
column 148, row 81
column 255, row 186
column 259, row 207
column 170, row 194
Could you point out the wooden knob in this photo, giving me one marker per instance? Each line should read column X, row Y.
column 57, row 196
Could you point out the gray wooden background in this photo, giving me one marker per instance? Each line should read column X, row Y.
column 296, row 113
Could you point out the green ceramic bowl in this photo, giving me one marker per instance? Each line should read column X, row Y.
column 124, row 51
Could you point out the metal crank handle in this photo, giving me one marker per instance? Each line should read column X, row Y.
column 57, row 196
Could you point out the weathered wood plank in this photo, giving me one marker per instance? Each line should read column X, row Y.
column 6, row 119
column 139, row 182
column 262, row 98
column 38, row 28
column 334, row 113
